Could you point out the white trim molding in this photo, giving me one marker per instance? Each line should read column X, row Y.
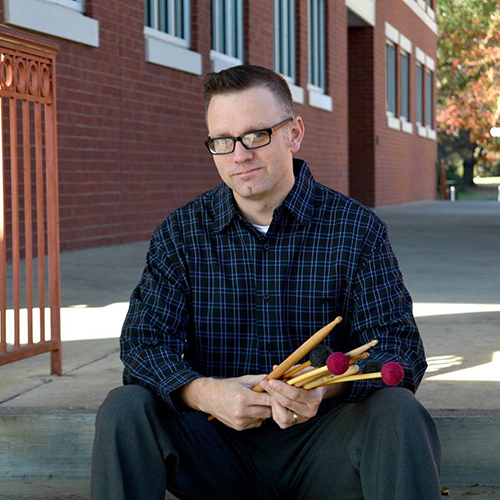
column 431, row 134
column 431, row 13
column 421, row 130
column 405, row 43
column 162, row 50
column 52, row 19
column 420, row 55
column 406, row 126
column 296, row 91
column 421, row 11
column 222, row 61
column 365, row 9
column 430, row 63
column 318, row 99
column 393, row 122
column 391, row 33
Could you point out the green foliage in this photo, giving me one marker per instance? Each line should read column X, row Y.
column 468, row 83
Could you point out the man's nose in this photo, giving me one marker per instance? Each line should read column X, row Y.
column 241, row 154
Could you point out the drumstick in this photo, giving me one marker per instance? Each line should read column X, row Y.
column 361, row 349
column 327, row 378
column 392, row 374
column 309, row 376
column 317, row 358
column 297, row 355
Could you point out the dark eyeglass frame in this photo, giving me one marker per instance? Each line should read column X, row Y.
column 269, row 130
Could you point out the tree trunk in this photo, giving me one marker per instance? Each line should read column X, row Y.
column 469, row 171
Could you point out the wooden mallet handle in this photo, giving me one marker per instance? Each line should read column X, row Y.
column 297, row 355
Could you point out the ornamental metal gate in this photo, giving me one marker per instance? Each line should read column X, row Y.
column 29, row 214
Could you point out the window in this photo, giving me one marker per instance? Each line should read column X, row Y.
column 61, row 18
column 420, row 94
column 168, row 37
column 170, row 17
column 316, row 21
column 390, row 77
column 284, row 37
column 227, row 30
column 404, row 90
column 428, row 99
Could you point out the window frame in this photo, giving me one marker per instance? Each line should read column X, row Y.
column 404, row 85
column 169, row 33
column 226, row 43
column 316, row 50
column 429, row 99
column 391, row 80
column 58, row 18
column 284, row 38
column 78, row 5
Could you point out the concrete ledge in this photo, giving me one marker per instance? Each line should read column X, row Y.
column 39, row 444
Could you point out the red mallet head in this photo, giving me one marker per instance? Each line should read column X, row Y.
column 392, row 373
column 337, row 363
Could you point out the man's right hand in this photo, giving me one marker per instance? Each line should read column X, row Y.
column 230, row 400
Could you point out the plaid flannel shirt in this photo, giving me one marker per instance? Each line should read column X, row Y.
column 218, row 298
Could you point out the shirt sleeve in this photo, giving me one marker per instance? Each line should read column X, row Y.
column 154, row 335
column 383, row 310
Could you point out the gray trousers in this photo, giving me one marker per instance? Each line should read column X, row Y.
column 384, row 448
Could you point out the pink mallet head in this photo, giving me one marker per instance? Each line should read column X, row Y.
column 392, row 373
column 337, row 363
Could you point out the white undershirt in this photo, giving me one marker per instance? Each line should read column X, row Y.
column 262, row 229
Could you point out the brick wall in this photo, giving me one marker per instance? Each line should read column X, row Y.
column 131, row 133
column 404, row 163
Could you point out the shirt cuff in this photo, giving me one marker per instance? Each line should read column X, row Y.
column 168, row 389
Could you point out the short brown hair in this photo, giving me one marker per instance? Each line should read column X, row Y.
column 244, row 77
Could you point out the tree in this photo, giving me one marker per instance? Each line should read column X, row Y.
column 468, row 81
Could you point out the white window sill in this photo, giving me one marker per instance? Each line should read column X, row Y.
column 406, row 127
column 171, row 54
column 431, row 134
column 431, row 13
column 421, row 131
column 422, row 4
column 52, row 19
column 393, row 122
column 296, row 91
column 318, row 99
column 222, row 61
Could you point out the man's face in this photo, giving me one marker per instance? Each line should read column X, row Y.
column 259, row 174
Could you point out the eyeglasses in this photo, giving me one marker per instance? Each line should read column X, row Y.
column 251, row 140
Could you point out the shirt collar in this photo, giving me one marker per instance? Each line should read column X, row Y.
column 299, row 201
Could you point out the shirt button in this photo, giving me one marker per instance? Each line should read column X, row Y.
column 270, row 346
column 266, row 296
column 267, row 246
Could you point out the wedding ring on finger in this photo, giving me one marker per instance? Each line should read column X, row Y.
column 295, row 418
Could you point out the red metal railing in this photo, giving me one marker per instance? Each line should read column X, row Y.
column 29, row 213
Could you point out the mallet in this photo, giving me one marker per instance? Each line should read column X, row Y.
column 297, row 355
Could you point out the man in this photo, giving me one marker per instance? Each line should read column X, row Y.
column 234, row 282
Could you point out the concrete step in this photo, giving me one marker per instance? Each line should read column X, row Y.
column 78, row 489
column 51, row 444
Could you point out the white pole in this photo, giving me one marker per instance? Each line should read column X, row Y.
column 452, row 193
column 498, row 197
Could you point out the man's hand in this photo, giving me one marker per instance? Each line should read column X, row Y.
column 288, row 400
column 230, row 400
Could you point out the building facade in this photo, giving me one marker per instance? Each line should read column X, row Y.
column 131, row 118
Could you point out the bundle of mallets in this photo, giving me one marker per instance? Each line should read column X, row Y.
column 331, row 368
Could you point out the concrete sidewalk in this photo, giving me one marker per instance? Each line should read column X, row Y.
column 448, row 253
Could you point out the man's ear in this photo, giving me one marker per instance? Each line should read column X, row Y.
column 297, row 131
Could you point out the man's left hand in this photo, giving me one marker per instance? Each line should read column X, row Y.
column 288, row 401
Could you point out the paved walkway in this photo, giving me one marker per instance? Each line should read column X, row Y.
column 449, row 255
